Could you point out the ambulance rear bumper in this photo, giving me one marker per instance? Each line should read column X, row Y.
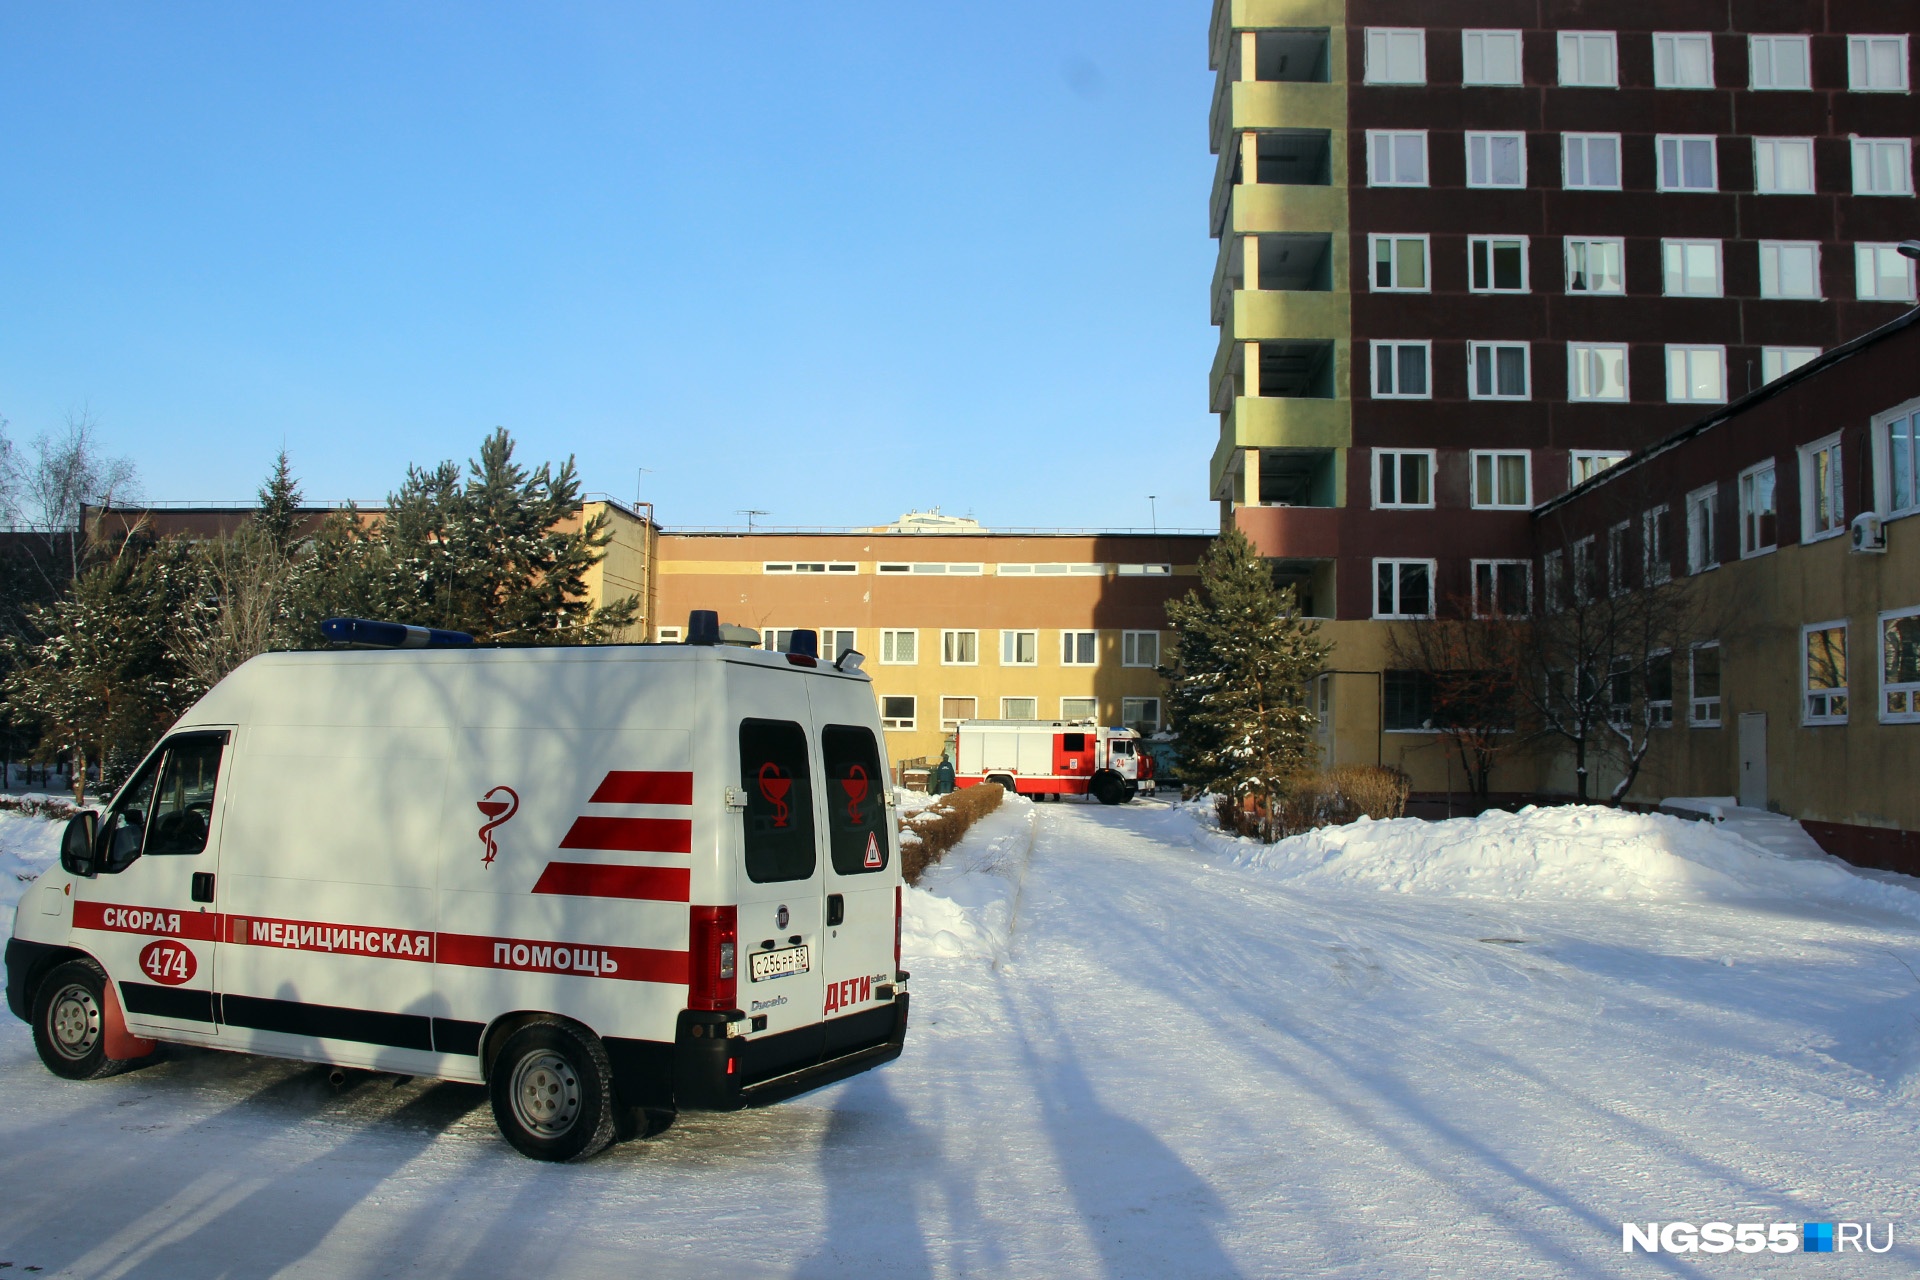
column 718, row 1075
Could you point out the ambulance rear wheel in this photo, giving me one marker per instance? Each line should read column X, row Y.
column 552, row 1091
column 70, row 1023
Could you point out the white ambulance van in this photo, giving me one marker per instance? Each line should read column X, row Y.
column 609, row 883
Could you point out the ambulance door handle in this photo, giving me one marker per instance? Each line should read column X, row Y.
column 836, row 910
column 203, row 886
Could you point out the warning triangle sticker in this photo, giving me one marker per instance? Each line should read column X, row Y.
column 873, row 851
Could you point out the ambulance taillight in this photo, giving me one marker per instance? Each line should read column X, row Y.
column 713, row 982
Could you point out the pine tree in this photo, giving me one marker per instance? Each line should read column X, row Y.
column 279, row 511
column 1239, row 678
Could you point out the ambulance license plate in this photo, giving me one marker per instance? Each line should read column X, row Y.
column 778, row 964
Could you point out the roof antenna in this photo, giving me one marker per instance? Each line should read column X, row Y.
column 750, row 513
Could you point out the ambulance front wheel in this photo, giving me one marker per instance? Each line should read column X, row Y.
column 552, row 1091
column 70, row 1023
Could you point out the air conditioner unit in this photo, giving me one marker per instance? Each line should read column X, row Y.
column 1868, row 533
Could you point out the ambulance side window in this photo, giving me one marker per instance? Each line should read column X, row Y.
column 779, row 818
column 856, row 799
column 183, row 804
column 121, row 833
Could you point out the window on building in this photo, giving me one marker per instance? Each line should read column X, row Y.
column 777, row 639
column 1883, row 166
column 899, row 648
column 1497, row 264
column 1502, row 479
column 955, row 709
column 1660, row 689
column 1789, row 269
column 1584, row 464
column 1502, row 588
column 1406, row 701
column 1145, row 570
column 1585, row 569
column 1019, row 708
column 1490, row 57
column 815, row 566
column 1496, row 159
column 1656, row 558
column 1777, row 361
column 1588, row 60
column 953, row 570
column 1877, row 64
column 1019, row 648
column 1553, row 582
column 1696, row 375
column 1620, row 692
column 1596, row 371
column 1823, row 506
column 1396, row 158
column 1896, row 445
column 897, row 711
column 1590, row 161
column 668, row 635
column 1682, row 61
column 1139, row 648
column 1403, row 477
column 1403, row 588
column 1396, row 55
column 1703, row 552
column 1595, row 266
column 1079, row 648
column 1618, row 561
column 1687, row 163
column 1703, row 677
column 1758, row 512
column 1823, row 652
column 1142, row 715
column 1900, row 666
column 836, row 642
column 1400, row 370
column 959, row 648
column 1778, row 62
column 1399, row 263
column 1086, row 569
column 1882, row 273
column 1783, row 166
column 1079, row 708
column 1692, row 268
column 1497, row 371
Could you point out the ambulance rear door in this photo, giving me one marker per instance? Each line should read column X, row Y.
column 860, row 874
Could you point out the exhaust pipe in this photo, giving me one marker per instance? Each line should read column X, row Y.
column 336, row 1077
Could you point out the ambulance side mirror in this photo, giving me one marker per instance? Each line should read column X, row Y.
column 77, row 845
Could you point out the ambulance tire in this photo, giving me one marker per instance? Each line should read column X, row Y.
column 70, row 1023
column 1109, row 789
column 552, row 1091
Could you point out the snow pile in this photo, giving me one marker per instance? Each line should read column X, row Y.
column 1575, row 852
column 28, row 846
column 964, row 905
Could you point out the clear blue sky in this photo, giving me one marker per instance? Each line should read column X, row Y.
column 832, row 260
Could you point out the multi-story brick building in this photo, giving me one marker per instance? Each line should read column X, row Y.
column 1472, row 251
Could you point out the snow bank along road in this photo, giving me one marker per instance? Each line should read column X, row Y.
column 1140, row 1050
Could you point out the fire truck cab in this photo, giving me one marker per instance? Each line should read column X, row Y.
column 1046, row 759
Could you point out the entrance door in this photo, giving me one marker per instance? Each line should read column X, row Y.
column 860, row 895
column 1753, row 759
column 148, row 917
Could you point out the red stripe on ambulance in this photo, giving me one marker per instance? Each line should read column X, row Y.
column 627, row 964
column 588, row 880
column 631, row 835
column 202, row 926
column 637, row 787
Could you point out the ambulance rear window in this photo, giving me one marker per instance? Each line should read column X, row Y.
column 856, row 799
column 779, row 819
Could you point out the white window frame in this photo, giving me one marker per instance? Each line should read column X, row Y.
column 1580, row 570
column 1576, row 456
column 1526, row 251
column 1656, row 557
column 1130, row 649
column 903, row 723
column 890, row 647
column 1380, row 459
column 935, row 568
column 1069, row 648
column 1373, row 367
column 1006, row 712
column 1659, row 710
column 948, row 646
column 1143, row 571
column 1393, row 260
column 1498, row 607
column 1833, row 495
column 1010, row 639
column 808, row 566
column 829, row 637
column 1885, row 465
column 1052, row 569
column 1703, row 711
column 1486, row 139
column 1467, row 38
column 1526, row 370
column 954, row 723
column 1875, row 254
column 1587, row 352
column 1473, row 478
column 1773, row 147
column 1778, row 362
column 1579, row 42
column 1680, row 142
column 1859, row 45
column 1773, row 43
column 1666, row 61
column 1390, row 136
column 1566, row 165
column 1433, row 575
column 1617, row 558
column 1137, row 700
column 1093, row 714
column 1553, row 582
column 1828, row 697
column 1684, row 247
column 1690, row 350
column 1703, row 529
column 1905, row 694
column 1866, row 153
column 1771, row 255
column 1750, row 544
column 1380, row 52
column 1619, row 246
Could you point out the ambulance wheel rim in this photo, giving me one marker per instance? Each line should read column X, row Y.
column 546, row 1094
column 73, row 1021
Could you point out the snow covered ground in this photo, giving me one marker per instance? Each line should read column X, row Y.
column 1140, row 1049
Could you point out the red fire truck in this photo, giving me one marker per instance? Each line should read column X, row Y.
column 1047, row 759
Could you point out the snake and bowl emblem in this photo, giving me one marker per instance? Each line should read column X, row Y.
column 498, row 805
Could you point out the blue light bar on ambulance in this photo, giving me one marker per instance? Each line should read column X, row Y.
column 369, row 634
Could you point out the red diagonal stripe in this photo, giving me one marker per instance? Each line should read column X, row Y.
column 585, row 880
column 644, row 788
column 631, row 835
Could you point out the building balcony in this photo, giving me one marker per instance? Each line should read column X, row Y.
column 1250, row 208
column 1232, row 17
column 1260, row 104
column 1306, row 264
column 1264, row 315
column 1280, row 425
column 1291, row 533
column 1287, row 369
